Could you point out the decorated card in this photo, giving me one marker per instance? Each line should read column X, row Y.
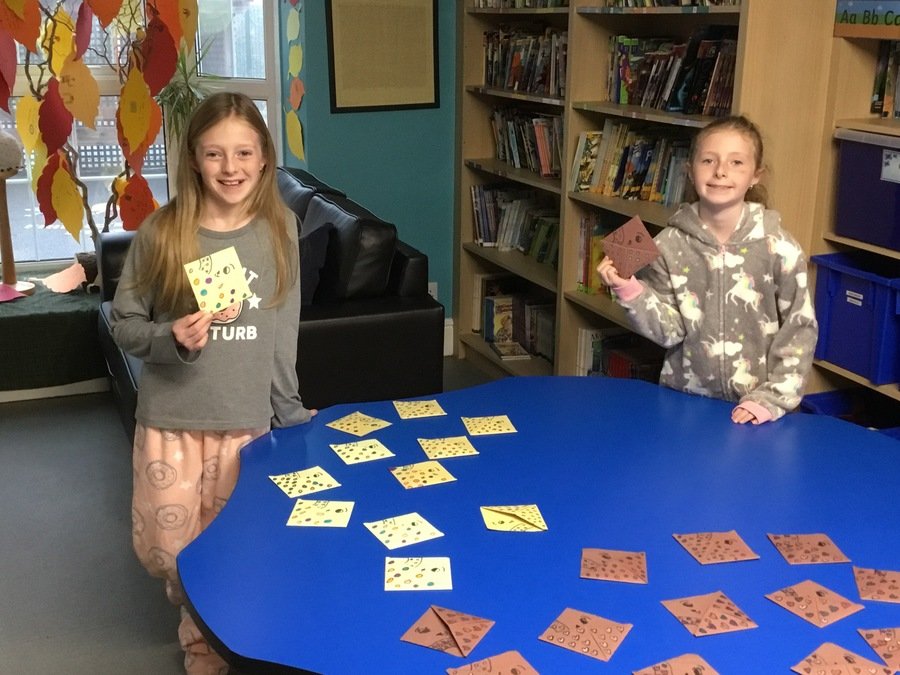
column 417, row 574
column 686, row 664
column 587, row 634
column 404, row 530
column 305, row 481
column 886, row 643
column 421, row 474
column 491, row 424
column 815, row 603
column 630, row 247
column 514, row 518
column 507, row 663
column 413, row 409
column 320, row 513
column 442, row 448
column 218, row 280
column 716, row 547
column 709, row 614
column 447, row 630
column 807, row 549
column 358, row 424
column 356, row 452
column 832, row 659
column 610, row 565
column 881, row 585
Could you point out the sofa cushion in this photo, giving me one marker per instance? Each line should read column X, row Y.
column 313, row 251
column 360, row 249
column 298, row 186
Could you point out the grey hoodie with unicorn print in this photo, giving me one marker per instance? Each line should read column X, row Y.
column 736, row 318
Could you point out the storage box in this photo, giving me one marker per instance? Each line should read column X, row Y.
column 858, row 309
column 868, row 195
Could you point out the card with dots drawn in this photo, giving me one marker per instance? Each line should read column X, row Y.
column 507, row 663
column 807, row 549
column 685, row 664
column 490, row 424
column 709, row 614
column 833, row 659
column 356, row 452
column 442, row 448
column 886, row 643
column 413, row 409
column 304, row 482
column 716, row 547
column 586, row 634
column 320, row 513
column 813, row 602
column 422, row 474
column 399, row 531
column 629, row 567
column 881, row 585
column 218, row 280
column 417, row 574
column 358, row 424
column 514, row 518
column 447, row 630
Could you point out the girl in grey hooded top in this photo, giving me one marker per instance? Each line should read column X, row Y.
column 728, row 296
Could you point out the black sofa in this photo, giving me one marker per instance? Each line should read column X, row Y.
column 368, row 329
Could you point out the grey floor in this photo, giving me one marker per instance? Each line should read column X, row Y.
column 74, row 599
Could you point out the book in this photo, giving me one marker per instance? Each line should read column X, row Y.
column 510, row 351
column 489, row 284
column 881, row 66
column 585, row 160
column 498, row 318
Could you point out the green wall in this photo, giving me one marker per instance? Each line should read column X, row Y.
column 398, row 164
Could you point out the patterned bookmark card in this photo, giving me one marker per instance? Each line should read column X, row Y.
column 815, row 603
column 514, row 518
column 716, row 547
column 404, row 530
column 305, row 481
column 709, row 614
column 417, row 574
column 218, row 280
column 442, row 448
column 485, row 426
column 587, row 634
column 356, row 452
column 412, row 409
column 320, row 513
column 886, row 643
column 609, row 565
column 686, row 664
column 880, row 585
column 358, row 424
column 807, row 549
column 832, row 659
column 447, row 630
column 421, row 474
column 507, row 663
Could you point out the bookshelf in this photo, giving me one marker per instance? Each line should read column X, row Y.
column 851, row 73
column 789, row 108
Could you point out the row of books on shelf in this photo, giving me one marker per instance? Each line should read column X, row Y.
column 672, row 3
column 520, row 4
column 528, row 140
column 617, row 352
column 526, row 60
column 624, row 161
column 515, row 319
column 515, row 219
column 694, row 77
column 591, row 232
column 886, row 90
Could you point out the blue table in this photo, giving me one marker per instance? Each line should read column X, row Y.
column 617, row 464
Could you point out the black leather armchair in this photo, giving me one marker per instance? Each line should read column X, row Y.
column 368, row 328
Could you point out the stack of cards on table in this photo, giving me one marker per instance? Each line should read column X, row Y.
column 630, row 247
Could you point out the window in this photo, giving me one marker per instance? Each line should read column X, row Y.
column 238, row 54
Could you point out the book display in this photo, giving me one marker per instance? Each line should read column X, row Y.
column 620, row 87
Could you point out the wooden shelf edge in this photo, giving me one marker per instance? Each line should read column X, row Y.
column 514, row 95
column 875, row 125
column 652, row 213
column 711, row 9
column 533, row 366
column 891, row 390
column 637, row 112
column 863, row 246
column 495, row 167
column 518, row 263
column 524, row 10
column 601, row 305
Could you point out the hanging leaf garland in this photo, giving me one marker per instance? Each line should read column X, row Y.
column 54, row 121
column 159, row 56
column 83, row 24
column 136, row 202
column 66, row 200
column 79, row 91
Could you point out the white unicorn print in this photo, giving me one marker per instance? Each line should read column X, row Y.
column 742, row 380
column 743, row 290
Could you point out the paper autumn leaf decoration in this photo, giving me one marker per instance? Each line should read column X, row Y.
column 27, row 122
column 58, row 40
column 54, row 121
column 187, row 16
column 66, row 200
column 106, row 10
column 294, row 132
column 44, row 188
column 79, row 91
column 170, row 14
column 133, row 114
column 135, row 157
column 159, row 54
column 83, row 24
column 25, row 28
column 17, row 6
column 7, row 68
column 135, row 202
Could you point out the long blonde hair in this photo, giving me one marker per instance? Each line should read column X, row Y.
column 178, row 222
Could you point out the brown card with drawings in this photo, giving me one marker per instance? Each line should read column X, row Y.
column 507, row 663
column 886, row 643
column 716, row 547
column 709, row 614
column 815, row 603
column 686, row 664
column 609, row 565
column 807, row 549
column 630, row 247
column 447, row 630
column 881, row 585
column 586, row 634
column 832, row 659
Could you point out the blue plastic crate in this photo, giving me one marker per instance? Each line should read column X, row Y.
column 858, row 405
column 858, row 309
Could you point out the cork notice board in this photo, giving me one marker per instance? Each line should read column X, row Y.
column 382, row 54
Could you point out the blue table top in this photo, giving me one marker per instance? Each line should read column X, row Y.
column 617, row 464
